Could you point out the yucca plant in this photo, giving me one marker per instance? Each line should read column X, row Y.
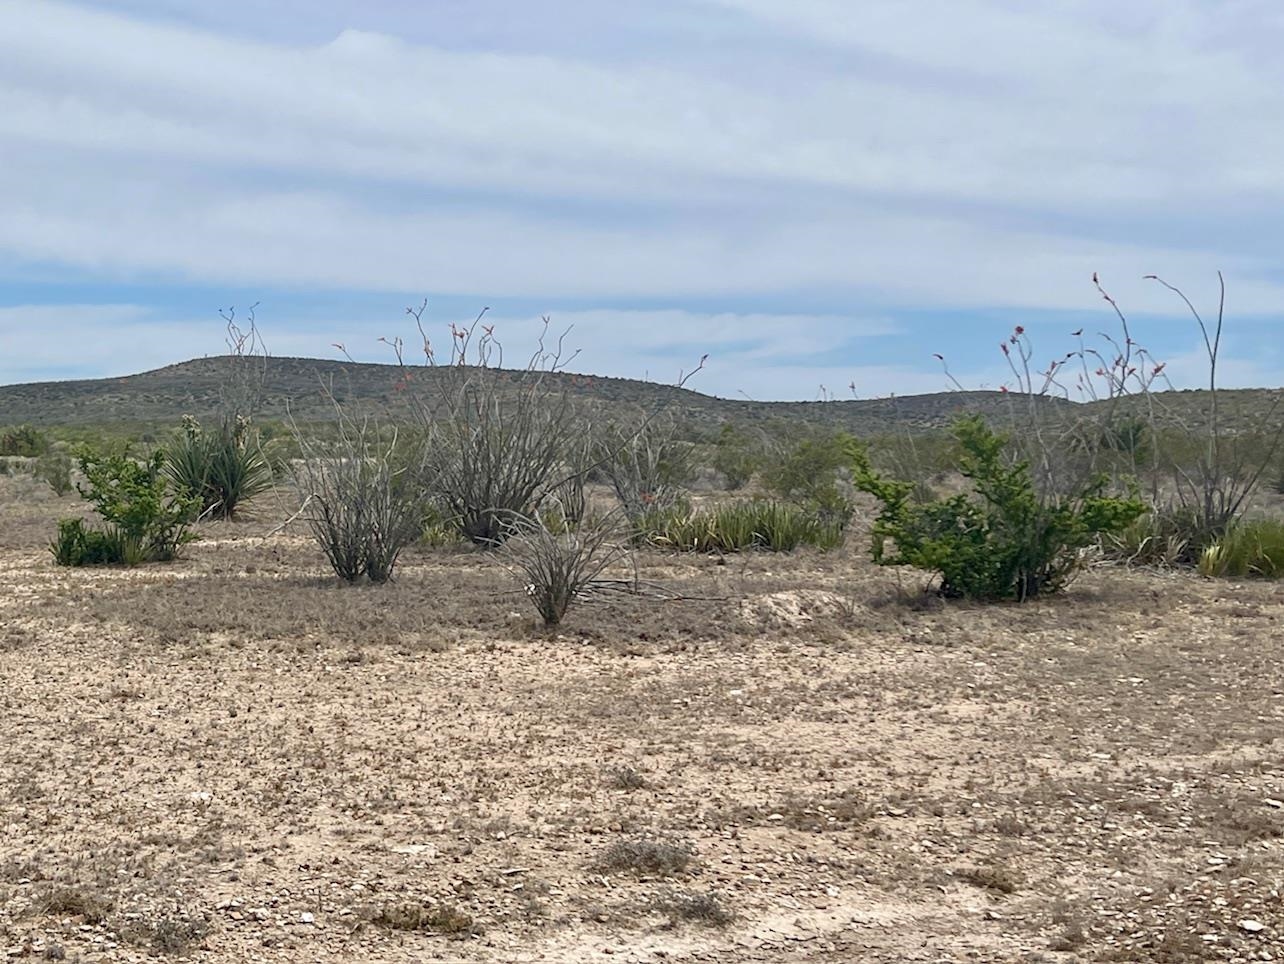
column 1250, row 549
column 223, row 469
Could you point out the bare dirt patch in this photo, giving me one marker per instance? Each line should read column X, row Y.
column 234, row 758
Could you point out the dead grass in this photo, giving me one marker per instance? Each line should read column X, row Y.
column 645, row 857
column 996, row 877
column 703, row 908
column 413, row 916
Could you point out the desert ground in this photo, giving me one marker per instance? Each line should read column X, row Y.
column 763, row 758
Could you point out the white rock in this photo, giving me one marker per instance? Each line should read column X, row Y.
column 307, row 918
column 415, row 850
column 1252, row 926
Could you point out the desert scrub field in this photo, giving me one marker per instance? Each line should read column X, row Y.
column 235, row 757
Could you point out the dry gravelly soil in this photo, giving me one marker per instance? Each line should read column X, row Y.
column 232, row 758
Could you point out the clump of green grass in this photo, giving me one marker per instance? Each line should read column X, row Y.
column 737, row 526
column 645, row 857
column 1250, row 549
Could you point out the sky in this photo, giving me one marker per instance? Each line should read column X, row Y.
column 821, row 195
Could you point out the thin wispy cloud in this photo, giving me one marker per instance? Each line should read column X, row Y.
column 722, row 169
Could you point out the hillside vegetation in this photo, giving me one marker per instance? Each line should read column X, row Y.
column 300, row 387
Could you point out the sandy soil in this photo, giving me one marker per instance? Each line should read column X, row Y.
column 235, row 759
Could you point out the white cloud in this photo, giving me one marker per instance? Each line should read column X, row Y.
column 147, row 147
column 880, row 156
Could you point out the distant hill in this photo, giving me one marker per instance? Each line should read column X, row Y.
column 297, row 386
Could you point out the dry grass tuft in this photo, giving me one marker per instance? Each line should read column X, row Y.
column 645, row 857
column 706, row 908
column 995, row 877
column 414, row 916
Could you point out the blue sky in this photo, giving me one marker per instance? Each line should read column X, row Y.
column 814, row 192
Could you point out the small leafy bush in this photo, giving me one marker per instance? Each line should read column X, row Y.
column 223, row 469
column 811, row 475
column 54, row 469
column 736, row 526
column 736, row 458
column 1250, row 549
column 1006, row 540
column 23, row 441
column 144, row 520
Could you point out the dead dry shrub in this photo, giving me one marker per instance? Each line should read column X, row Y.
column 364, row 497
column 176, row 934
column 706, row 908
column 996, row 877
column 645, row 857
column 91, row 908
column 423, row 917
column 558, row 563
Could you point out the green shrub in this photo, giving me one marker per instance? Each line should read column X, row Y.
column 221, row 469
column 77, row 545
column 736, row 458
column 808, row 472
column 23, row 441
column 811, row 475
column 54, row 469
column 1004, row 541
column 1250, row 549
column 144, row 520
column 733, row 527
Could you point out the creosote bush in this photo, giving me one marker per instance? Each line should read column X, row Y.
column 54, row 469
column 1005, row 540
column 647, row 467
column 810, row 472
column 144, row 519
column 23, row 441
column 736, row 458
